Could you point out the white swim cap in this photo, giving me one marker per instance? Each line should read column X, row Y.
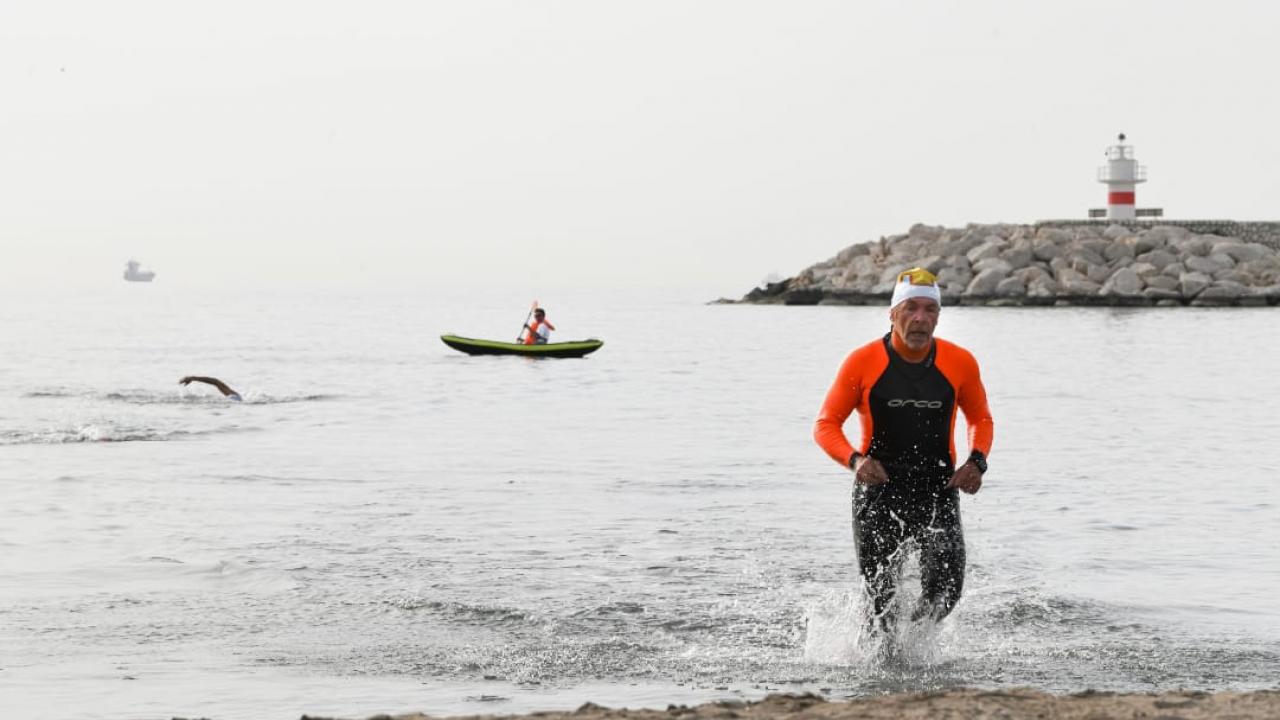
column 916, row 282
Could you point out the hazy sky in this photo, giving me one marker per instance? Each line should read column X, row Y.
column 690, row 144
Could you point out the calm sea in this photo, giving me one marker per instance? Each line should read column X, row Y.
column 386, row 525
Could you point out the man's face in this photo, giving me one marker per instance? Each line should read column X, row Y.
column 914, row 320
column 538, row 315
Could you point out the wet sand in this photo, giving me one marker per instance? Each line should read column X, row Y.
column 961, row 704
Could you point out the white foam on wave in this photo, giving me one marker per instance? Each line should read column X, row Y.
column 838, row 631
column 86, row 433
column 102, row 432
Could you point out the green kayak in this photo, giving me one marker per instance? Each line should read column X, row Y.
column 472, row 346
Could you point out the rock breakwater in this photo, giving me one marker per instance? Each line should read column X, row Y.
column 1065, row 263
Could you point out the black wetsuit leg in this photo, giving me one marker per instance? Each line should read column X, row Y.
column 878, row 534
column 884, row 518
column 942, row 558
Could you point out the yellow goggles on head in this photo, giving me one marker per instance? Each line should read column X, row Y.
column 918, row 276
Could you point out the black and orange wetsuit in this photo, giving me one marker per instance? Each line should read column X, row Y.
column 907, row 411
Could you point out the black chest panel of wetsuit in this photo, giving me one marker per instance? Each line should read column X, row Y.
column 911, row 409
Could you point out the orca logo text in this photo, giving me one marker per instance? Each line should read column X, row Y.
column 929, row 404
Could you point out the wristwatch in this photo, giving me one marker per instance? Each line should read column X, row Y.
column 853, row 460
column 979, row 460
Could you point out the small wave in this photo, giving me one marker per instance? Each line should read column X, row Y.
column 151, row 397
column 101, row 433
column 180, row 398
column 253, row 398
column 1023, row 610
column 483, row 615
column 234, row 574
column 48, row 394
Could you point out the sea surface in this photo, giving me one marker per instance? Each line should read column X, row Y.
column 387, row 525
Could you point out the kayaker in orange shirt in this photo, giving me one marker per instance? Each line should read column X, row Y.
column 540, row 331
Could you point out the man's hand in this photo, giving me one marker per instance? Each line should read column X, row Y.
column 868, row 471
column 186, row 380
column 967, row 478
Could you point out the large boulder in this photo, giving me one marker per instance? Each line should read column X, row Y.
column 956, row 243
column 848, row 254
column 908, row 247
column 1144, row 270
column 1011, row 287
column 984, row 284
column 928, row 232
column 1206, row 265
column 1235, row 276
column 1057, row 236
column 1125, row 282
column 1222, row 259
column 1027, row 274
column 988, row 249
column 1269, row 292
column 1119, row 249
column 1242, row 252
column 932, row 263
column 1148, row 240
column 1020, row 255
column 993, row 262
column 1042, row 286
column 956, row 279
column 1191, row 245
column 1158, row 258
column 1168, row 232
column 1115, row 232
column 1074, row 283
column 1192, row 283
column 1221, row 292
column 1086, row 255
column 1163, row 282
column 1098, row 273
column 1159, row 293
column 1045, row 249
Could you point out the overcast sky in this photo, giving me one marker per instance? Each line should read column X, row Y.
column 595, row 143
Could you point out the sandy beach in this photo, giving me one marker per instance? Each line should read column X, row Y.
column 960, row 704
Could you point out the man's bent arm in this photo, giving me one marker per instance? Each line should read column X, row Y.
column 973, row 403
column 841, row 400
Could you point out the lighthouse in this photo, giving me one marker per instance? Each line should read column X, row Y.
column 1121, row 175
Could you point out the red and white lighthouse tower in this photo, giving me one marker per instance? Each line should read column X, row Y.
column 1121, row 175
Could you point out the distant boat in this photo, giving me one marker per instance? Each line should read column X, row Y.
column 133, row 273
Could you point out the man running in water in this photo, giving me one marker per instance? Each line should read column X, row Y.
column 226, row 391
column 540, row 330
column 906, row 387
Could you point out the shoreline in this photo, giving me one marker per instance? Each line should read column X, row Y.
column 954, row 704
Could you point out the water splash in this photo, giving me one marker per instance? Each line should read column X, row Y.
column 841, row 630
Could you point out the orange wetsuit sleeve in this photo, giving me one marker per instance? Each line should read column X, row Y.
column 961, row 369
column 857, row 374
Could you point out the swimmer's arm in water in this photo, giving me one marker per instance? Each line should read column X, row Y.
column 222, row 387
